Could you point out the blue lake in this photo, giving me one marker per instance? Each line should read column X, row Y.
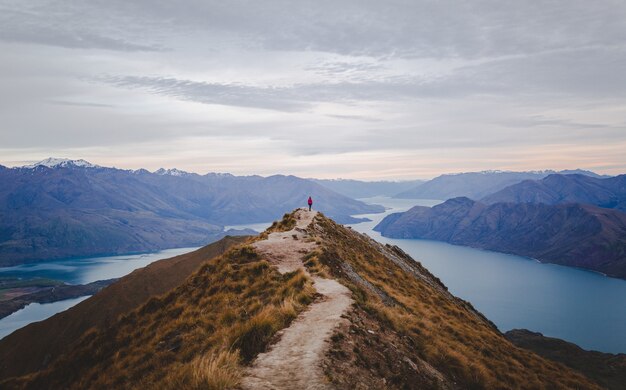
column 34, row 312
column 86, row 270
column 73, row 271
column 576, row 305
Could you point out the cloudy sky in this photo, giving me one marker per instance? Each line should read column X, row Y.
column 359, row 89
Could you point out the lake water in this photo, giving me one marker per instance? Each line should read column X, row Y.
column 576, row 305
column 74, row 271
column 87, row 270
column 257, row 227
column 35, row 312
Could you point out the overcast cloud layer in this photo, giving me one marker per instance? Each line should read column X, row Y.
column 360, row 89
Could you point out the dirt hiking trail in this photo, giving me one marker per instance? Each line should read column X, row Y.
column 294, row 362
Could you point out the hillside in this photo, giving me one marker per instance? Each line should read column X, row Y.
column 64, row 208
column 36, row 345
column 555, row 189
column 308, row 303
column 608, row 369
column 570, row 234
column 475, row 185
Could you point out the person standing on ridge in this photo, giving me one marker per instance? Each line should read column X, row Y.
column 310, row 202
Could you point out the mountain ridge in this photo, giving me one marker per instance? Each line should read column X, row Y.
column 366, row 189
column 475, row 185
column 555, row 189
column 573, row 234
column 404, row 329
column 75, row 211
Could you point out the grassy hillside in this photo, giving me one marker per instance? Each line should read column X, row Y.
column 608, row 369
column 32, row 348
column 193, row 337
column 405, row 330
column 422, row 336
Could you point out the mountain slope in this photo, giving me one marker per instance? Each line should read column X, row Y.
column 609, row 370
column 32, row 348
column 571, row 234
column 67, row 208
column 474, row 185
column 555, row 189
column 366, row 189
column 233, row 316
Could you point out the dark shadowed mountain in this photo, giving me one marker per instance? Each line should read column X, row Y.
column 64, row 208
column 576, row 235
column 475, row 185
column 607, row 369
column 367, row 189
column 604, row 192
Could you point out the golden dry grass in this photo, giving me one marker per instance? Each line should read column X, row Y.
column 200, row 334
column 221, row 317
column 215, row 371
column 446, row 331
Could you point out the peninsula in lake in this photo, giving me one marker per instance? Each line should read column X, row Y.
column 577, row 235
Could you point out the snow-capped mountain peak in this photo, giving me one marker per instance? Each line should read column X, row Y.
column 52, row 162
column 172, row 172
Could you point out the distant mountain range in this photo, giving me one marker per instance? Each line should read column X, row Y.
column 476, row 185
column 570, row 234
column 367, row 189
column 64, row 208
column 554, row 189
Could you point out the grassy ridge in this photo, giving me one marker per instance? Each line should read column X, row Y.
column 196, row 336
column 405, row 331
column 443, row 331
column 31, row 348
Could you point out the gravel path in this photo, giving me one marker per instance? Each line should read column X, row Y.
column 294, row 362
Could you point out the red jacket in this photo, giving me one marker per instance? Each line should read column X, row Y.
column 310, row 201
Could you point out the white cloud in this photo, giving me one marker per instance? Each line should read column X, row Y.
column 327, row 88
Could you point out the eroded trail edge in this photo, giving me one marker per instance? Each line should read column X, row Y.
column 294, row 362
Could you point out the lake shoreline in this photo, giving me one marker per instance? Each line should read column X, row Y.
column 52, row 294
column 578, row 305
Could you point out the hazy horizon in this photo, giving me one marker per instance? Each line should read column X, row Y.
column 204, row 172
column 354, row 89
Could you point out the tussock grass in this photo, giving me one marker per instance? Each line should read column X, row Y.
column 314, row 266
column 214, row 371
column 196, row 336
column 287, row 223
column 252, row 336
column 445, row 331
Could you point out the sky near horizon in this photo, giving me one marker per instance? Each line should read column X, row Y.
column 353, row 89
